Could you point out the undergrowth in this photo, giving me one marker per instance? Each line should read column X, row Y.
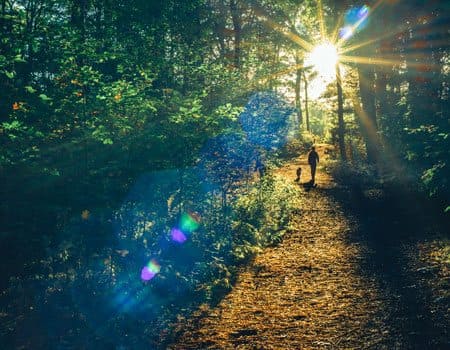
column 103, row 282
column 356, row 175
column 262, row 216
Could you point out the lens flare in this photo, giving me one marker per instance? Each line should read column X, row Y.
column 346, row 32
column 178, row 236
column 189, row 222
column 363, row 12
column 150, row 270
column 355, row 19
column 356, row 16
column 265, row 121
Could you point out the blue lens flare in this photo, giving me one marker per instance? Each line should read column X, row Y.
column 225, row 159
column 265, row 120
column 363, row 12
column 355, row 20
column 167, row 235
column 161, row 250
column 346, row 32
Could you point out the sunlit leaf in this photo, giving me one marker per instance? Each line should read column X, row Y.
column 30, row 89
column 20, row 59
column 10, row 75
column 44, row 97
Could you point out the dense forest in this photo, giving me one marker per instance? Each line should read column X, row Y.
column 138, row 138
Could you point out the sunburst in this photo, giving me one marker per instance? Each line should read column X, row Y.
column 335, row 49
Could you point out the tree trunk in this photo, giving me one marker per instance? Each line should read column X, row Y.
column 308, row 128
column 78, row 16
column 298, row 103
column 341, row 125
column 220, row 27
column 380, row 94
column 367, row 116
column 2, row 20
column 237, row 27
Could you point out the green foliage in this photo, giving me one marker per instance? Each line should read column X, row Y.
column 431, row 157
column 262, row 216
column 96, row 93
column 358, row 175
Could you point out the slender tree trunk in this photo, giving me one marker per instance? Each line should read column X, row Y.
column 237, row 26
column 220, row 27
column 380, row 90
column 308, row 128
column 341, row 125
column 78, row 14
column 298, row 101
column 33, row 11
column 2, row 24
column 3, row 13
column 221, row 41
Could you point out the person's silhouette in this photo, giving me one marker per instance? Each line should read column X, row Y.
column 313, row 159
column 299, row 174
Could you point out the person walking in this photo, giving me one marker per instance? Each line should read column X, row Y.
column 299, row 174
column 313, row 159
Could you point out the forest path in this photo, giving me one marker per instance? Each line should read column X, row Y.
column 311, row 291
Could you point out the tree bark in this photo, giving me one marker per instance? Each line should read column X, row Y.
column 237, row 27
column 298, row 101
column 341, row 125
column 308, row 128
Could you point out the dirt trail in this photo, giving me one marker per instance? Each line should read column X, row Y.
column 306, row 293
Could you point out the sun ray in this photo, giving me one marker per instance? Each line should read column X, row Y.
column 376, row 137
column 323, row 33
column 293, row 37
column 368, row 42
column 335, row 33
column 384, row 36
column 365, row 120
column 260, row 13
column 367, row 124
column 371, row 41
column 387, row 62
column 370, row 60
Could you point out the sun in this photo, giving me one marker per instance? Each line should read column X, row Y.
column 322, row 59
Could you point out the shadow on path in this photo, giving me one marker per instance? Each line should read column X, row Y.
column 391, row 226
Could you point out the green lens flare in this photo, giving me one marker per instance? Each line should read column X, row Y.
column 188, row 223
